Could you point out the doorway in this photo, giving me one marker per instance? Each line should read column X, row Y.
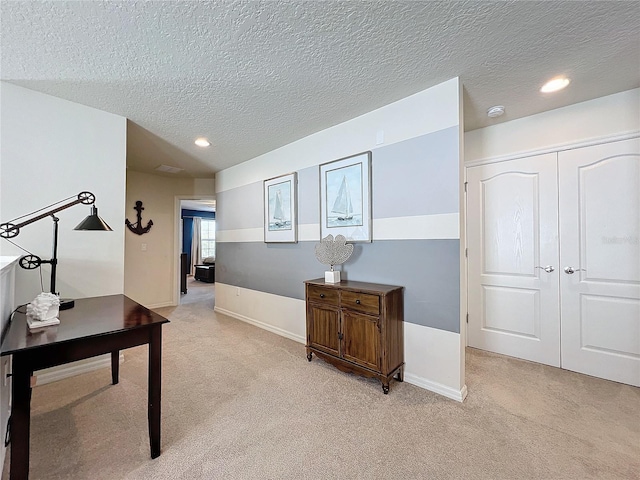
column 197, row 242
column 554, row 259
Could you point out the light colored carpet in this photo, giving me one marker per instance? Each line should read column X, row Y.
column 243, row 403
column 198, row 292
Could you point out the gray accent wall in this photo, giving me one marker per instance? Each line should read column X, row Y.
column 428, row 269
column 419, row 176
column 309, row 196
column 242, row 207
column 414, row 177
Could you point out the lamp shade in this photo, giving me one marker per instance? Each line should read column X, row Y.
column 93, row 222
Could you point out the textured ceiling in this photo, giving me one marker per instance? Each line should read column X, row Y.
column 253, row 76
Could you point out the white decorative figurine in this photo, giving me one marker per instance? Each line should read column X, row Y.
column 43, row 311
column 333, row 252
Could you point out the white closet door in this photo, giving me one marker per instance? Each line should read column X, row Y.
column 600, row 242
column 512, row 229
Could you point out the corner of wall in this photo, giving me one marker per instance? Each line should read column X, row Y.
column 152, row 259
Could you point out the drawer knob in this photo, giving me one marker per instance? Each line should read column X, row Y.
column 358, row 302
column 322, row 295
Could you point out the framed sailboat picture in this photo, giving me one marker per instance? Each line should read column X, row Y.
column 280, row 217
column 345, row 198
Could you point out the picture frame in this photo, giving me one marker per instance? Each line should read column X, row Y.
column 280, row 209
column 345, row 198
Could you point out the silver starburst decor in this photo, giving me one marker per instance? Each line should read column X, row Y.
column 333, row 252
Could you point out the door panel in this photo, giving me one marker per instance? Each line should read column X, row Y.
column 599, row 239
column 512, row 232
column 509, row 228
column 363, row 329
column 515, row 311
column 323, row 329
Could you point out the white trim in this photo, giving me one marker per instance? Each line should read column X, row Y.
column 177, row 245
column 161, row 305
column 281, row 315
column 240, row 235
column 426, row 227
column 309, row 232
column 555, row 148
column 417, row 227
column 264, row 326
column 54, row 374
column 457, row 395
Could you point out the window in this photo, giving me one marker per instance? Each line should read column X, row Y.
column 208, row 238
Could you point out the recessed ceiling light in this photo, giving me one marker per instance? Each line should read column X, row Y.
column 555, row 84
column 202, row 142
column 495, row 111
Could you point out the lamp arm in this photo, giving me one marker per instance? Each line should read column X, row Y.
column 10, row 230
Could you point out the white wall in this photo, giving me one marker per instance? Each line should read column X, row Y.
column 8, row 267
column 419, row 114
column 597, row 119
column 52, row 149
column 434, row 358
column 150, row 276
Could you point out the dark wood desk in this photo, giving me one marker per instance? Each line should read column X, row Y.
column 95, row 326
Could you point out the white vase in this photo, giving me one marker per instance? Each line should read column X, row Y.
column 332, row 276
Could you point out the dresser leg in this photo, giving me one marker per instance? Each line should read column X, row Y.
column 309, row 356
column 400, row 375
column 385, row 388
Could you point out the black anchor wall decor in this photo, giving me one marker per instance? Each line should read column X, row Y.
column 137, row 227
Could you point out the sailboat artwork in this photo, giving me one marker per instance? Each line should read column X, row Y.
column 343, row 206
column 345, row 198
column 346, row 207
column 280, row 214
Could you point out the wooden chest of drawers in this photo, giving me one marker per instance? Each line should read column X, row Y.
column 357, row 327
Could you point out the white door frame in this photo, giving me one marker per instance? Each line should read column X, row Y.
column 551, row 149
column 177, row 241
column 527, row 153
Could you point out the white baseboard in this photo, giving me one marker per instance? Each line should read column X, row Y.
column 264, row 326
column 457, row 395
column 75, row 368
column 454, row 394
column 161, row 305
column 434, row 358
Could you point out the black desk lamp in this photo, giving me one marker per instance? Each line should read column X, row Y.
column 29, row 262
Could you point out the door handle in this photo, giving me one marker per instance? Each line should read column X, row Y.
column 571, row 270
column 548, row 268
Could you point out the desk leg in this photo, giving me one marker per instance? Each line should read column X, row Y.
column 115, row 367
column 155, row 378
column 20, row 419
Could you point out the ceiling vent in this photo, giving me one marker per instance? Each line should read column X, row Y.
column 168, row 169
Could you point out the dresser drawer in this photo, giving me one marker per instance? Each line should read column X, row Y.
column 361, row 302
column 326, row 296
